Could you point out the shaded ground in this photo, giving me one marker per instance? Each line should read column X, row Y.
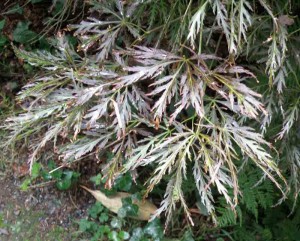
column 39, row 214
column 42, row 213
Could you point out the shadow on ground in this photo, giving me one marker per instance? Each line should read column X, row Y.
column 41, row 214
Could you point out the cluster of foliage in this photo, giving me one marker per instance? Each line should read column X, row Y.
column 102, row 224
column 201, row 94
column 63, row 179
column 26, row 23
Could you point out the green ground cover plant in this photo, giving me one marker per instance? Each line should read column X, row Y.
column 197, row 101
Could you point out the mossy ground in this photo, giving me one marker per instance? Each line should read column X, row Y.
column 34, row 215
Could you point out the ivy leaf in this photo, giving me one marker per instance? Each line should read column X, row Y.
column 123, row 235
column 71, row 175
column 22, row 34
column 124, row 182
column 113, row 236
column 85, row 225
column 2, row 23
column 35, row 171
column 137, row 234
column 64, row 184
column 57, row 174
column 130, row 208
column 3, row 40
column 154, row 229
column 95, row 210
column 96, row 179
column 46, row 175
column 25, row 184
column 103, row 218
column 104, row 229
column 116, row 223
column 122, row 213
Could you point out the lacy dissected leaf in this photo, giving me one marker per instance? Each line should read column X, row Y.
column 188, row 78
column 170, row 91
column 104, row 33
column 243, row 9
column 213, row 155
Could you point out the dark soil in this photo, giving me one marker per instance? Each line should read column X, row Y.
column 41, row 213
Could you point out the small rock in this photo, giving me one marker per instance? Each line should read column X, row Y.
column 3, row 231
column 285, row 20
column 52, row 210
column 17, row 212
